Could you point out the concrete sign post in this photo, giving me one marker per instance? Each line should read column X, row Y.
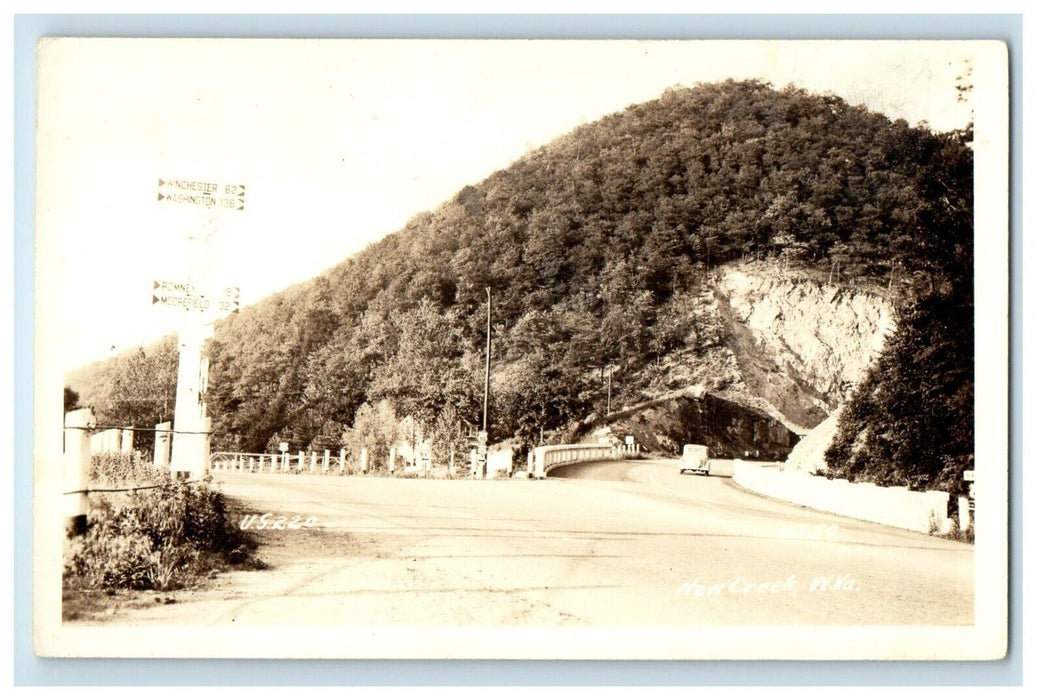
column 190, row 454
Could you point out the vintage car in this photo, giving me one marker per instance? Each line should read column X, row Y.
column 695, row 459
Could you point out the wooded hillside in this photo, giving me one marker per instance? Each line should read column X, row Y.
column 593, row 247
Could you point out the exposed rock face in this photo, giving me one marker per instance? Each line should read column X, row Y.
column 808, row 455
column 800, row 344
column 770, row 357
column 729, row 429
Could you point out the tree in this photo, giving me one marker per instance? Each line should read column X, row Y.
column 375, row 428
column 72, row 399
column 430, row 369
column 911, row 422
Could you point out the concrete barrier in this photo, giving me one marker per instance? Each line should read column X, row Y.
column 923, row 511
column 547, row 457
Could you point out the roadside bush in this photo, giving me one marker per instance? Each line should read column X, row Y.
column 155, row 538
column 115, row 470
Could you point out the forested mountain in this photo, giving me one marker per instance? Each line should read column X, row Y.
column 597, row 249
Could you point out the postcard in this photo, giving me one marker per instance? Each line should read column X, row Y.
column 521, row 349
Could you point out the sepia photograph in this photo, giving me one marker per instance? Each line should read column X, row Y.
column 546, row 349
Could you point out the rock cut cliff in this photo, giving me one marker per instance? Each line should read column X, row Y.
column 799, row 344
column 773, row 356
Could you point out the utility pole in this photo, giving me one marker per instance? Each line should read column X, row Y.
column 609, row 396
column 485, row 393
column 485, row 397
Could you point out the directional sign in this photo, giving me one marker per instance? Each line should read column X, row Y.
column 185, row 296
column 189, row 303
column 227, row 299
column 199, row 193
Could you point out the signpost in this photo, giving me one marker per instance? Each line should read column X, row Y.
column 191, row 440
column 480, row 449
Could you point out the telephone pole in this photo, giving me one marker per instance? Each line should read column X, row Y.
column 485, row 397
column 484, row 435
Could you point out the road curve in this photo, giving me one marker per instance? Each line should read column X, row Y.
column 608, row 544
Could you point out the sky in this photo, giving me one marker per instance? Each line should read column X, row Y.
column 339, row 143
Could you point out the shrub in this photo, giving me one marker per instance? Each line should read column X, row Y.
column 116, row 470
column 155, row 538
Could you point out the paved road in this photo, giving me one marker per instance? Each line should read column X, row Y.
column 620, row 543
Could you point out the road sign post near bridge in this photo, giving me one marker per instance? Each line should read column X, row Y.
column 190, row 454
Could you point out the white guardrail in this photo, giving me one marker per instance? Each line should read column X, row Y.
column 547, row 457
column 923, row 511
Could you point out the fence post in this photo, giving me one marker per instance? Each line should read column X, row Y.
column 76, row 468
column 342, row 469
column 208, row 433
column 161, row 448
column 127, row 441
column 326, row 461
column 311, row 465
column 300, row 461
column 286, row 462
column 364, row 458
column 391, row 459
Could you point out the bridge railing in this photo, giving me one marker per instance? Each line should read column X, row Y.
column 547, row 457
column 286, row 463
